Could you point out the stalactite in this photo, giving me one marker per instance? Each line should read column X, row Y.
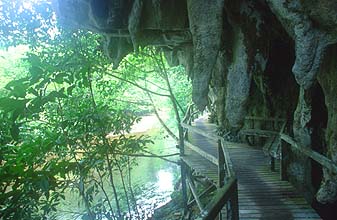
column 206, row 27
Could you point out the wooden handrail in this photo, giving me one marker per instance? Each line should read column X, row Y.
column 224, row 194
column 227, row 191
column 259, row 132
column 200, row 132
column 319, row 158
column 202, row 153
column 256, row 118
column 229, row 166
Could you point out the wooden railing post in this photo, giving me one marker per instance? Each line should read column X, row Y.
column 253, row 138
column 188, row 119
column 272, row 163
column 191, row 113
column 221, row 165
column 183, row 185
column 283, row 162
column 235, row 202
column 183, row 167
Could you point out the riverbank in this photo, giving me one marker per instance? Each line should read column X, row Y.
column 171, row 210
column 152, row 178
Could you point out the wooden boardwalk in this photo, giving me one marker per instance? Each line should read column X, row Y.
column 262, row 195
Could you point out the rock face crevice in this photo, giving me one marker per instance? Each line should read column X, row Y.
column 238, row 83
column 310, row 42
column 248, row 56
column 264, row 58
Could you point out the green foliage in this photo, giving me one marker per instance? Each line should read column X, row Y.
column 26, row 22
column 59, row 102
column 54, row 129
column 11, row 64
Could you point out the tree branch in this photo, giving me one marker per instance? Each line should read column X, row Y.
column 138, row 86
column 132, row 102
column 168, row 130
column 150, row 155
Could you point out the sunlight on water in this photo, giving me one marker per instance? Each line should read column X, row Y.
column 165, row 181
column 157, row 193
column 153, row 181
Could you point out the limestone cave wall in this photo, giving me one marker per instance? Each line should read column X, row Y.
column 270, row 58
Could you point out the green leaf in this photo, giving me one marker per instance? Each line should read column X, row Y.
column 15, row 131
column 44, row 184
column 36, row 73
column 19, row 92
column 70, row 89
column 18, row 88
column 34, row 59
column 59, row 78
column 53, row 95
column 33, row 91
column 10, row 104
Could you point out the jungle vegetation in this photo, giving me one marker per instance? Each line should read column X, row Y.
column 60, row 97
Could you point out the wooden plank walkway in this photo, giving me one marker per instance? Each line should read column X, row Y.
column 262, row 195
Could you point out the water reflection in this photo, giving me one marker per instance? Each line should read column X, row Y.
column 165, row 181
column 152, row 179
column 157, row 193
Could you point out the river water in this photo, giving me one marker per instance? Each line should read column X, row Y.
column 153, row 179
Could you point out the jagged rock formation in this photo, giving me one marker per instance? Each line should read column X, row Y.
column 328, row 80
column 267, row 57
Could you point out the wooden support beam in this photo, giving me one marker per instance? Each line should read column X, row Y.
column 321, row 159
column 194, row 193
column 205, row 192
